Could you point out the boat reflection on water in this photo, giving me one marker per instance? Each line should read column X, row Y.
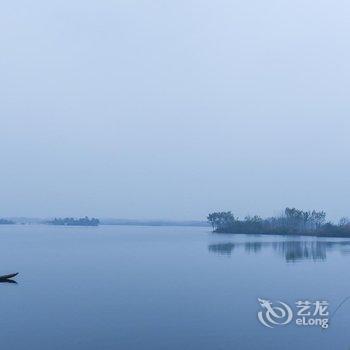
column 8, row 281
column 290, row 250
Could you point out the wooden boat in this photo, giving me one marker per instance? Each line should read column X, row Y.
column 6, row 277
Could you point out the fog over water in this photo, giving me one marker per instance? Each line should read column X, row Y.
column 155, row 109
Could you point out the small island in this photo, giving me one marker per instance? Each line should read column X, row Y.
column 74, row 222
column 291, row 222
column 6, row 222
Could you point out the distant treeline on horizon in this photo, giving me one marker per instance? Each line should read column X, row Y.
column 292, row 222
column 6, row 222
column 74, row 222
column 70, row 221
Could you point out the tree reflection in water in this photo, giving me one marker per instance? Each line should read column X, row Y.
column 291, row 251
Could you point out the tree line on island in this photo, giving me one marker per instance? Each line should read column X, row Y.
column 57, row 221
column 74, row 222
column 6, row 222
column 291, row 222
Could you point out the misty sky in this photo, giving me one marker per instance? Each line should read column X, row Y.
column 173, row 109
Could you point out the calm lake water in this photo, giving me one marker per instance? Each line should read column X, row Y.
column 127, row 287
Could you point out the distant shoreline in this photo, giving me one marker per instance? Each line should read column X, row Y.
column 85, row 222
column 127, row 222
column 326, row 235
